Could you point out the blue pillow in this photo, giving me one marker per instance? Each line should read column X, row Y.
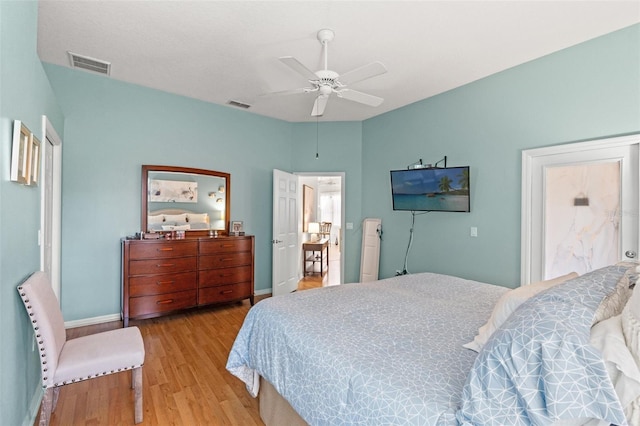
column 539, row 367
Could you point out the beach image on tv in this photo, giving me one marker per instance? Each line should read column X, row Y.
column 431, row 189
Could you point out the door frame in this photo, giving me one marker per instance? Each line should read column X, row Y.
column 51, row 139
column 529, row 158
column 343, row 243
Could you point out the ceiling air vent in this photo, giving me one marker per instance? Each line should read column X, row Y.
column 89, row 64
column 239, row 104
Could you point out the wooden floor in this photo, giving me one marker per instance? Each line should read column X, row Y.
column 184, row 377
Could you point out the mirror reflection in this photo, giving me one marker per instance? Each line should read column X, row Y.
column 184, row 199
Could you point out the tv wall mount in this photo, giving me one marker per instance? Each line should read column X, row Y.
column 419, row 165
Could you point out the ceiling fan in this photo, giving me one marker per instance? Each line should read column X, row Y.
column 325, row 82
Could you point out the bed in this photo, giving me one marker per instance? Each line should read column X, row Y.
column 420, row 349
column 176, row 220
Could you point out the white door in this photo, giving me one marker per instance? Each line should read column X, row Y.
column 286, row 251
column 573, row 221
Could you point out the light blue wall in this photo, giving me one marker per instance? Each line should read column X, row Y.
column 585, row 92
column 340, row 150
column 25, row 95
column 112, row 128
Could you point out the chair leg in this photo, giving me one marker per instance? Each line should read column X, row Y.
column 136, row 374
column 56, row 393
column 45, row 409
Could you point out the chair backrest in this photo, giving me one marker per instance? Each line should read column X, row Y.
column 46, row 319
column 325, row 228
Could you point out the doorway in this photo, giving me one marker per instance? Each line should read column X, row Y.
column 327, row 212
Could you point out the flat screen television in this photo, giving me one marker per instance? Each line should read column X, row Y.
column 431, row 189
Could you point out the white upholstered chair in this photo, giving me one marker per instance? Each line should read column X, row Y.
column 65, row 361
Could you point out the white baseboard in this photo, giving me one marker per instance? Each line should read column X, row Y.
column 92, row 321
column 262, row 292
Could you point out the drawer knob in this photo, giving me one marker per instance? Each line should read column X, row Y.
column 165, row 265
column 166, row 249
column 164, row 302
column 226, row 291
column 165, row 282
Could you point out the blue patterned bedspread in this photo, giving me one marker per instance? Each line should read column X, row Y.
column 539, row 366
column 387, row 352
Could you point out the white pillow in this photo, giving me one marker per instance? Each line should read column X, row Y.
column 175, row 217
column 509, row 302
column 176, row 227
column 155, row 219
column 608, row 337
column 198, row 217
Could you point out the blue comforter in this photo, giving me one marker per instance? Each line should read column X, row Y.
column 387, row 352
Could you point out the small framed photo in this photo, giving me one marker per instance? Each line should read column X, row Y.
column 35, row 161
column 20, row 161
column 237, row 227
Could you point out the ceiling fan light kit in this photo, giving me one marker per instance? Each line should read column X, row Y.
column 327, row 82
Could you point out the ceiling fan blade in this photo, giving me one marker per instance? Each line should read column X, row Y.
column 319, row 105
column 298, row 67
column 291, row 91
column 362, row 73
column 363, row 98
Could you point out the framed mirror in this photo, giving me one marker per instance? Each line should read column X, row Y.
column 185, row 199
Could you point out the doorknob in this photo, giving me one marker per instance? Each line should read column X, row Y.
column 275, row 241
column 630, row 254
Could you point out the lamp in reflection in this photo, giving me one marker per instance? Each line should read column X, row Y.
column 314, row 230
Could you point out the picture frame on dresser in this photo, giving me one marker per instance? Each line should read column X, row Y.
column 236, row 228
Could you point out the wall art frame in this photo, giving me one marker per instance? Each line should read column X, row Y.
column 34, row 174
column 308, row 207
column 20, row 153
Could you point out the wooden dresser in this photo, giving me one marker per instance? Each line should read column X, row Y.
column 164, row 276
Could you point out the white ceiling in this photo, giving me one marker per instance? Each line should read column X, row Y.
column 218, row 51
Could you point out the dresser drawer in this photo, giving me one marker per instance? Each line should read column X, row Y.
column 225, row 245
column 223, row 293
column 162, row 303
column 223, row 260
column 147, row 285
column 216, row 277
column 162, row 266
column 162, row 249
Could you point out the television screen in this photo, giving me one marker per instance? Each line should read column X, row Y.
column 431, row 189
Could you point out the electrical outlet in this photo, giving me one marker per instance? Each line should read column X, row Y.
column 349, row 225
column 473, row 231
